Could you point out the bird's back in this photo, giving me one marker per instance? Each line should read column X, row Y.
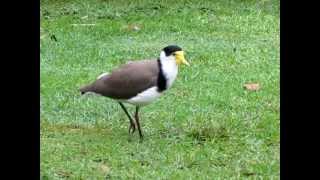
column 126, row 81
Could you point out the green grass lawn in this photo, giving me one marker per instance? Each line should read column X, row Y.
column 207, row 126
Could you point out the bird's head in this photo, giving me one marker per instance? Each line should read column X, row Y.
column 173, row 53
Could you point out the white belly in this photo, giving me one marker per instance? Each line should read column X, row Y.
column 144, row 98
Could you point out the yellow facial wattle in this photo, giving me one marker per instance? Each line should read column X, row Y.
column 180, row 58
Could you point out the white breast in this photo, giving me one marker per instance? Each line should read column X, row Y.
column 170, row 71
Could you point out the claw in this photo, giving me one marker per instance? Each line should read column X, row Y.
column 133, row 128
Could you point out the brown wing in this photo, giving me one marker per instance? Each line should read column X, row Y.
column 128, row 80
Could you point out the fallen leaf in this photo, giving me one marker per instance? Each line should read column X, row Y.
column 104, row 168
column 252, row 86
column 134, row 27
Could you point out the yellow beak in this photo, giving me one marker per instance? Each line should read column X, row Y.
column 180, row 58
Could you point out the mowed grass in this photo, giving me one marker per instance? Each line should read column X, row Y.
column 207, row 126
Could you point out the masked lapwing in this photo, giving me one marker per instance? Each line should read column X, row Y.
column 139, row 82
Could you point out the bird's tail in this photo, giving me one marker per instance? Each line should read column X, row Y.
column 85, row 89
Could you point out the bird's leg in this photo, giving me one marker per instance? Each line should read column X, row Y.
column 137, row 121
column 132, row 125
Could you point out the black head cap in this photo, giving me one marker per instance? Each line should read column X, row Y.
column 171, row 49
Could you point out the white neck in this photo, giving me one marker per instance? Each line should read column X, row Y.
column 169, row 68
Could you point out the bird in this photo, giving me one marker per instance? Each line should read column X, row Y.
column 139, row 82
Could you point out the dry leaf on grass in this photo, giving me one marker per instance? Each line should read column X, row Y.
column 252, row 86
column 104, row 168
column 134, row 27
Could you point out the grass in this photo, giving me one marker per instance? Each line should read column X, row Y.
column 207, row 126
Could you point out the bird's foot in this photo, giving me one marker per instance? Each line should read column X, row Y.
column 132, row 128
